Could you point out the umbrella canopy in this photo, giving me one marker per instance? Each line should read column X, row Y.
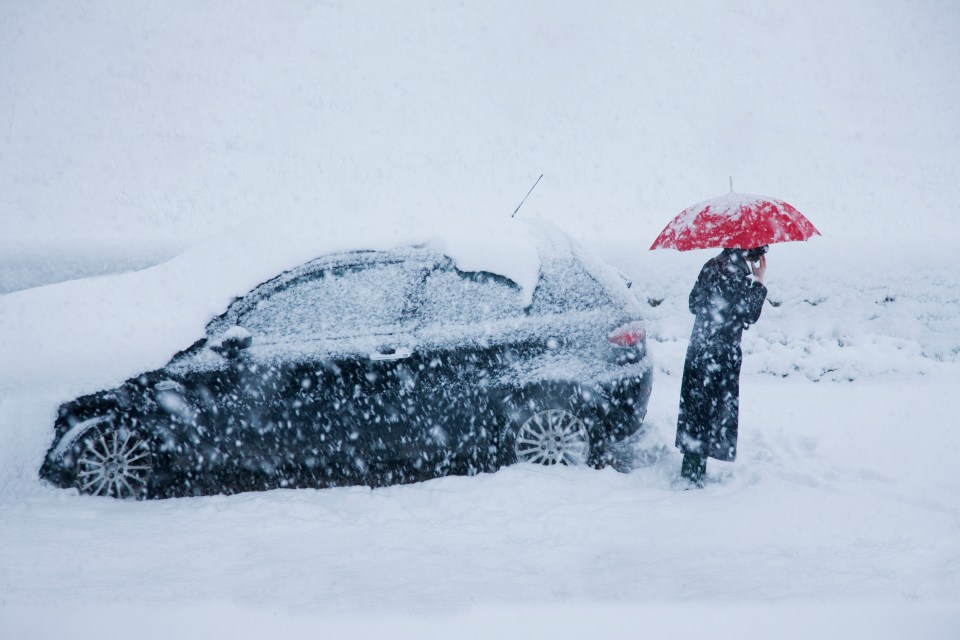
column 735, row 220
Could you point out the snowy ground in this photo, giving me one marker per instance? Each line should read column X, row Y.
column 841, row 516
column 240, row 138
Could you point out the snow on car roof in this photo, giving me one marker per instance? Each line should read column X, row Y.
column 120, row 325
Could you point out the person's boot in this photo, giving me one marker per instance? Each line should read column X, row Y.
column 693, row 469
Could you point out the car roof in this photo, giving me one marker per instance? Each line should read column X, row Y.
column 554, row 248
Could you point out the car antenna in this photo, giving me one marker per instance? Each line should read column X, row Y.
column 526, row 196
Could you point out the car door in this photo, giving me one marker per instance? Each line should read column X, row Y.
column 236, row 437
column 466, row 324
column 340, row 336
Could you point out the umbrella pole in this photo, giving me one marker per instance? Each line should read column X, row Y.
column 731, row 184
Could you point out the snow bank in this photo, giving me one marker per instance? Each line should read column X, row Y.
column 834, row 311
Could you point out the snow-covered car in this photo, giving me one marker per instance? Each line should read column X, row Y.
column 374, row 367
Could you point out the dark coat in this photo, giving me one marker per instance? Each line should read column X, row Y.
column 725, row 301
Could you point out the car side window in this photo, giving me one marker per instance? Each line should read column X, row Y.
column 336, row 302
column 450, row 296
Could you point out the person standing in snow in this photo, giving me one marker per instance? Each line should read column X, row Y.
column 725, row 300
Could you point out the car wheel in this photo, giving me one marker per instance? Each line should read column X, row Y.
column 114, row 462
column 546, row 435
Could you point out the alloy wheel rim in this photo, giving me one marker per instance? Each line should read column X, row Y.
column 114, row 463
column 553, row 436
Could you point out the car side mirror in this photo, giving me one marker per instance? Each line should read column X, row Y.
column 232, row 342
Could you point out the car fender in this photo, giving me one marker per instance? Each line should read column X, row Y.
column 517, row 395
column 558, row 371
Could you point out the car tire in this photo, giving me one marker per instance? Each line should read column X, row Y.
column 115, row 462
column 546, row 426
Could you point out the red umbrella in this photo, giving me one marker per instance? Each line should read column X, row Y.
column 735, row 220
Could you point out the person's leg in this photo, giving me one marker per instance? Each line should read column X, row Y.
column 693, row 468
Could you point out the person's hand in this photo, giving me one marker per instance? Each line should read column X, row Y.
column 759, row 268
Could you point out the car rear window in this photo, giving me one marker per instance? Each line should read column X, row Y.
column 565, row 285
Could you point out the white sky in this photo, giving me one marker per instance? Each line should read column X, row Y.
column 141, row 123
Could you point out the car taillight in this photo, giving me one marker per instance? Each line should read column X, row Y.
column 631, row 334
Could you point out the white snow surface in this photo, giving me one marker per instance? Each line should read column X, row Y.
column 214, row 145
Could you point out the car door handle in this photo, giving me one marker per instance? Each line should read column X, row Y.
column 390, row 353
